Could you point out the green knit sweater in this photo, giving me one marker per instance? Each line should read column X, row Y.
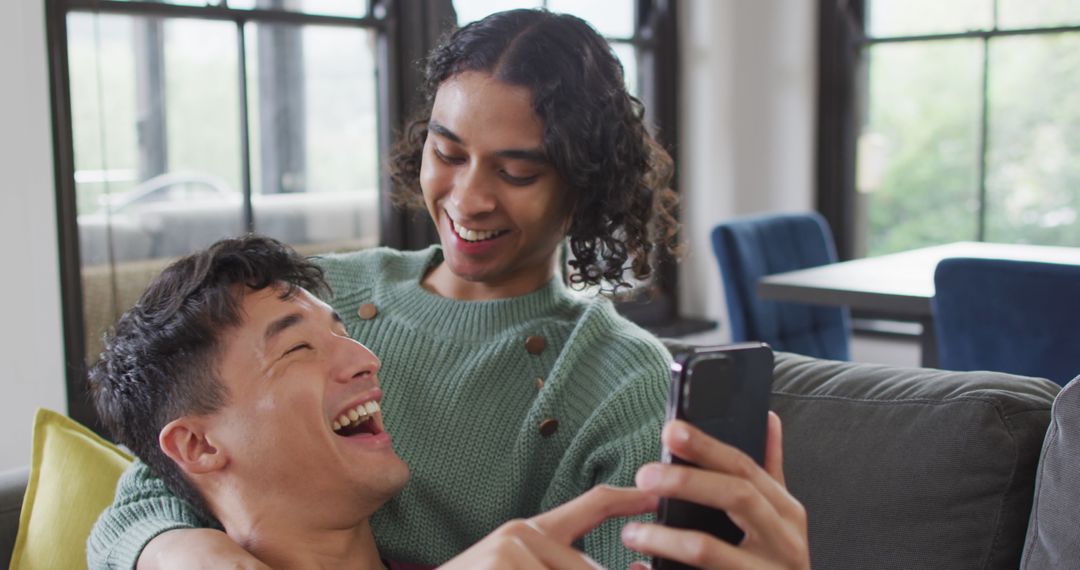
column 464, row 401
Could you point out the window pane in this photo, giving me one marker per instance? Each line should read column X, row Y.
column 157, row 167
column 1033, row 175
column 1035, row 13
column 613, row 19
column 314, row 137
column 914, row 17
column 918, row 165
column 346, row 8
column 156, row 125
column 628, row 58
column 473, row 10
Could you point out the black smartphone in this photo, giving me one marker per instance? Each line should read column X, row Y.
column 724, row 391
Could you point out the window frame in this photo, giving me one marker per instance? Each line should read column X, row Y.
column 843, row 97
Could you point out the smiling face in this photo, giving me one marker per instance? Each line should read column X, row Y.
column 302, row 427
column 500, row 207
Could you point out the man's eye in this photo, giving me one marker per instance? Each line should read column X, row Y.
column 300, row 346
column 446, row 158
column 519, row 180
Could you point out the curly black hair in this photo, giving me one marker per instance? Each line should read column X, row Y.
column 160, row 358
column 594, row 135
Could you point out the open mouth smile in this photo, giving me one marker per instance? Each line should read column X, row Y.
column 474, row 236
column 364, row 418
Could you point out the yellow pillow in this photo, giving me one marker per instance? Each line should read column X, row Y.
column 73, row 475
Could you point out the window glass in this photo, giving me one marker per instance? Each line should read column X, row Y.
column 1033, row 174
column 918, row 169
column 157, row 145
column 472, row 10
column 628, row 57
column 1035, row 13
column 612, row 18
column 347, row 8
column 313, row 123
column 160, row 161
column 916, row 17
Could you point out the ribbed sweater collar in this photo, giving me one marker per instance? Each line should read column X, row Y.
column 475, row 320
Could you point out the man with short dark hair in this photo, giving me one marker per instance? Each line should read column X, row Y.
column 246, row 395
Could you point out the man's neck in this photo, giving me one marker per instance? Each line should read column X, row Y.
column 287, row 542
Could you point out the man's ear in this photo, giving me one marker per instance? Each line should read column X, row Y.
column 185, row 441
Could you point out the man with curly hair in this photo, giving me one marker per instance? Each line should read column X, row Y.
column 512, row 393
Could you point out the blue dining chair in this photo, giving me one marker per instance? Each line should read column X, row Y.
column 752, row 247
column 1021, row 317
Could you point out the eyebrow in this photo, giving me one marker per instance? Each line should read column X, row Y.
column 277, row 327
column 531, row 154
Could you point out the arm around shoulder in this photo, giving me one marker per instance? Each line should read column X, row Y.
column 143, row 509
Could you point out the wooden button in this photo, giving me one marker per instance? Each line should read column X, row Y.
column 539, row 383
column 548, row 427
column 535, row 344
column 367, row 311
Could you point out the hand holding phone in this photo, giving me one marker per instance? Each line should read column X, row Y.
column 724, row 392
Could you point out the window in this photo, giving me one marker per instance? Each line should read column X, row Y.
column 178, row 122
column 182, row 122
column 966, row 123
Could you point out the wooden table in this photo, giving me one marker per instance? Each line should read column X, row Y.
column 897, row 286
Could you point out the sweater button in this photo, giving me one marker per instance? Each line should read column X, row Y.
column 535, row 344
column 367, row 311
column 548, row 427
column 539, row 383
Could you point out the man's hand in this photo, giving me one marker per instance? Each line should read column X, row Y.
column 756, row 499
column 544, row 541
column 195, row 548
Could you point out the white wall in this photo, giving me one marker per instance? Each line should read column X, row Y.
column 748, row 111
column 31, row 345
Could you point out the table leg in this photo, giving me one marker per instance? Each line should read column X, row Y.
column 928, row 343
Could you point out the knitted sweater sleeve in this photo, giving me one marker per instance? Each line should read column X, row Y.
column 620, row 436
column 144, row 508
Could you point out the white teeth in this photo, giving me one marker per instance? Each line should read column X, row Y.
column 474, row 235
column 358, row 415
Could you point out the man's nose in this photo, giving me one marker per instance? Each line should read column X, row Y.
column 473, row 193
column 356, row 362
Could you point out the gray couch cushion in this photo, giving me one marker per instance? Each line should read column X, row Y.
column 1053, row 539
column 12, row 489
column 910, row 468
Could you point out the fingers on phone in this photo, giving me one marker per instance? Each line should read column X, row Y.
column 774, row 449
column 697, row 549
column 519, row 544
column 718, row 460
column 572, row 520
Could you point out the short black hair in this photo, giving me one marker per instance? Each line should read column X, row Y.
column 619, row 176
column 160, row 358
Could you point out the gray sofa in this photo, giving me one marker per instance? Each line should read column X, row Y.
column 897, row 467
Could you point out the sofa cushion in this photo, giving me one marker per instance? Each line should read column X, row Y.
column 73, row 475
column 12, row 489
column 1053, row 538
column 908, row 467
